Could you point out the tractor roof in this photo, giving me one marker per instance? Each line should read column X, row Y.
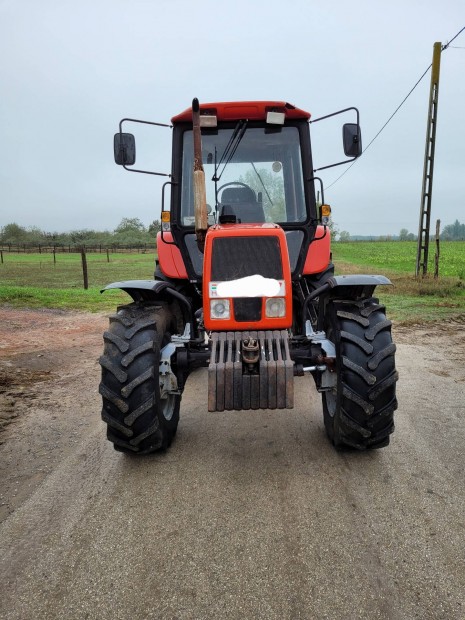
column 237, row 110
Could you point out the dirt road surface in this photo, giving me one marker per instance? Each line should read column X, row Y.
column 249, row 515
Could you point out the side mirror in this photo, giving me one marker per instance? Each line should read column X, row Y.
column 124, row 146
column 352, row 139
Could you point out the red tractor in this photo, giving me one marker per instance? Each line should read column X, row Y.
column 245, row 286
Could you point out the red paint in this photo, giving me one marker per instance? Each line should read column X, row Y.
column 319, row 252
column 246, row 230
column 170, row 258
column 237, row 110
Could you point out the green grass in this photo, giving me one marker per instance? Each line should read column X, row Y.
column 410, row 299
column 400, row 256
column 34, row 281
column 66, row 299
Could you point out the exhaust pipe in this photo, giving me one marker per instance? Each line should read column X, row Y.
column 200, row 195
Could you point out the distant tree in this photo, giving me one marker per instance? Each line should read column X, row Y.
column 35, row 235
column 333, row 229
column 78, row 237
column 13, row 233
column 403, row 235
column 453, row 232
column 154, row 227
column 130, row 225
column 411, row 237
column 344, row 236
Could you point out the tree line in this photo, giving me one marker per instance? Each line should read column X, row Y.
column 451, row 232
column 129, row 232
column 132, row 232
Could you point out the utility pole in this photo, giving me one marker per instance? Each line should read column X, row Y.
column 427, row 188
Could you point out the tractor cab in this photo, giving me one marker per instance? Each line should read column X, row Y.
column 258, row 170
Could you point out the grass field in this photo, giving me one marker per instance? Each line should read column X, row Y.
column 409, row 300
column 34, row 280
column 400, row 256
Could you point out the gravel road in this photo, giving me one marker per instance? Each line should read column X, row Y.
column 249, row 515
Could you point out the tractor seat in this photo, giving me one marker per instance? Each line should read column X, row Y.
column 241, row 202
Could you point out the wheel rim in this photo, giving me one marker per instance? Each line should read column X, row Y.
column 331, row 399
column 167, row 406
column 331, row 395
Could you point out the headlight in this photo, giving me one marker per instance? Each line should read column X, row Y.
column 275, row 307
column 219, row 309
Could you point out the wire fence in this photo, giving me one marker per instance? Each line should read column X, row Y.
column 39, row 248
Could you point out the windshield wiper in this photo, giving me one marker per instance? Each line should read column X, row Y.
column 227, row 155
column 230, row 148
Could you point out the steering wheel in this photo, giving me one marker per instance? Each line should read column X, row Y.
column 235, row 183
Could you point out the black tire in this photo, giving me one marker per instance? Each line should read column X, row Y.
column 138, row 420
column 359, row 411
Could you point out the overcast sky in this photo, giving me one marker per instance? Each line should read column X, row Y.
column 71, row 70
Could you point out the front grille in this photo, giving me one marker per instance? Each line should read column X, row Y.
column 247, row 308
column 239, row 257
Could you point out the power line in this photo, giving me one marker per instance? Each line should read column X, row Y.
column 444, row 47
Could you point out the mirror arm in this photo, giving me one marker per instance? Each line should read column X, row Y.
column 322, row 118
column 135, row 120
column 346, row 161
column 158, row 174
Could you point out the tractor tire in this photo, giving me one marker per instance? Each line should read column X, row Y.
column 138, row 420
column 359, row 410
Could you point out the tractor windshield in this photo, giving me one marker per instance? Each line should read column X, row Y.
column 260, row 180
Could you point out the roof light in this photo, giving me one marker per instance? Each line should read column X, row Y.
column 208, row 120
column 275, row 118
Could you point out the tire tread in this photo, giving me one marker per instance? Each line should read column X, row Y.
column 364, row 401
column 132, row 408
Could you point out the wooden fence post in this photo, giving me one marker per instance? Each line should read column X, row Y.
column 84, row 268
column 1, row 255
column 54, row 257
column 436, row 257
column 108, row 256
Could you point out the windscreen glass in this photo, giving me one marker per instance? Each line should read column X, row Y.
column 252, row 174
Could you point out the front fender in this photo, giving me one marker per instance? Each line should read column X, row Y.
column 354, row 287
column 141, row 290
column 155, row 290
column 368, row 283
